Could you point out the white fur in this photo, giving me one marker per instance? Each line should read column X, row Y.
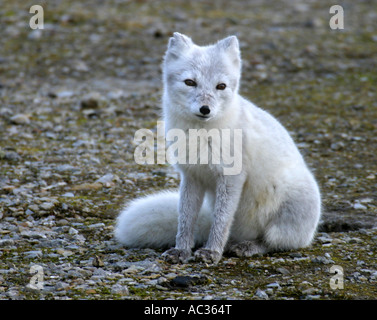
column 273, row 204
column 151, row 222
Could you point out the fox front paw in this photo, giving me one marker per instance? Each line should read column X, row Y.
column 247, row 249
column 207, row 256
column 175, row 256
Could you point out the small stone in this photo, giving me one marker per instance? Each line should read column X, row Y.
column 159, row 287
column 62, row 222
column 355, row 240
column 64, row 252
column 359, row 206
column 12, row 156
column 283, row 270
column 187, row 281
column 88, row 186
column 81, row 66
column 324, row 239
column 97, row 262
column 273, row 285
column 66, row 168
column 90, row 291
column 73, row 231
column 366, row 200
column 322, row 260
column 90, row 113
column 35, row 34
column 181, row 281
column 6, row 242
column 5, row 112
column 32, row 234
column 20, row 119
column 60, row 286
column 336, row 146
column 47, row 205
column 120, row 289
column 34, row 207
column 33, row 254
column 107, row 180
column 170, row 275
column 68, row 195
column 93, row 100
column 309, row 291
column 62, row 94
column 8, row 189
column 133, row 269
column 96, row 226
column 261, row 294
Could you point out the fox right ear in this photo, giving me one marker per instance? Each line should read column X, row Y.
column 179, row 43
column 231, row 46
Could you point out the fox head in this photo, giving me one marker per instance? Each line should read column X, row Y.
column 200, row 82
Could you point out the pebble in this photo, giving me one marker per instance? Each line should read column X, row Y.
column 96, row 226
column 283, row 270
column 275, row 285
column 12, row 156
column 107, row 180
column 47, row 205
column 97, row 262
column 66, row 168
column 68, row 195
column 33, row 254
column 62, row 94
column 120, row 289
column 261, row 294
column 20, row 119
column 73, row 231
column 359, row 206
column 64, row 252
column 93, row 100
column 322, row 260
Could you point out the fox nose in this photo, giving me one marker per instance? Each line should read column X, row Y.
column 204, row 110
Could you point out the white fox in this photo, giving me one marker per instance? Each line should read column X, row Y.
column 272, row 204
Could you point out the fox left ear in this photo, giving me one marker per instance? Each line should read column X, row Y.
column 231, row 47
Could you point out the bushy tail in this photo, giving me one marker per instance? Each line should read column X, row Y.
column 152, row 221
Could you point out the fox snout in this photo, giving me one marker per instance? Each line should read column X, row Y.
column 205, row 105
column 204, row 110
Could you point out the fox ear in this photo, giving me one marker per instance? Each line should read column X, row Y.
column 179, row 43
column 231, row 47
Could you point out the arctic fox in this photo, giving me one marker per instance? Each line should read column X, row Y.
column 272, row 204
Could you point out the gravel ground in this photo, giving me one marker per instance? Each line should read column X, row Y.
column 73, row 94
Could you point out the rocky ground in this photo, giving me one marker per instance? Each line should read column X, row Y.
column 73, row 94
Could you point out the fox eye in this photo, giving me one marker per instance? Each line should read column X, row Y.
column 221, row 86
column 190, row 83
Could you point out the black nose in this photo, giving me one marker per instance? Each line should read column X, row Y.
column 204, row 110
